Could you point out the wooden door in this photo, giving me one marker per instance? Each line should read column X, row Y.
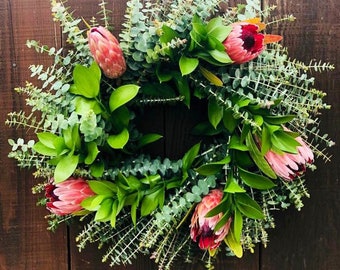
column 309, row 239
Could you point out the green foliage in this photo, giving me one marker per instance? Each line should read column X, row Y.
column 86, row 126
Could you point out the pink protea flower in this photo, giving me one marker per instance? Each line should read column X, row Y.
column 244, row 43
column 203, row 227
column 288, row 165
column 65, row 198
column 106, row 51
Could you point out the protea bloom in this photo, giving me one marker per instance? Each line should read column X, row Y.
column 65, row 198
column 202, row 227
column 288, row 165
column 244, row 43
column 106, row 51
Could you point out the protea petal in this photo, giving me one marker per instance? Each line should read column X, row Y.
column 287, row 165
column 245, row 43
column 106, row 51
column 202, row 227
column 65, row 198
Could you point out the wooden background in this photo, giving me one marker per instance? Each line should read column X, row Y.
column 309, row 239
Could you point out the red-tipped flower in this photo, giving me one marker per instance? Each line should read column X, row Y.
column 244, row 43
column 288, row 165
column 65, row 198
column 106, row 51
column 202, row 227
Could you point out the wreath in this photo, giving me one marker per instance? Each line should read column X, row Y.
column 259, row 135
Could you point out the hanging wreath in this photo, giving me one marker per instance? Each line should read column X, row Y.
column 260, row 133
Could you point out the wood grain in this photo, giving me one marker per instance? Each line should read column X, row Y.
column 310, row 239
column 302, row 240
column 25, row 242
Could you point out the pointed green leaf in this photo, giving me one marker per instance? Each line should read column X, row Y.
column 183, row 88
column 255, row 180
column 215, row 112
column 151, row 201
column 83, row 105
column 247, row 206
column 148, row 138
column 48, row 139
column 114, row 213
column 236, row 144
column 233, row 187
column 234, row 245
column 223, row 221
column 120, row 140
column 279, row 120
column 213, row 167
column 237, row 225
column 104, row 211
column 86, row 81
column 92, row 203
column 230, row 123
column 221, row 56
column 266, row 143
column 211, row 77
column 285, row 142
column 103, row 187
column 187, row 65
column 217, row 29
column 65, row 168
column 190, row 156
column 168, row 34
column 44, row 150
column 220, row 208
column 92, row 152
column 97, row 169
column 258, row 158
column 122, row 95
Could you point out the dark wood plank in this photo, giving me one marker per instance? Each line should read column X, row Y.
column 25, row 242
column 310, row 239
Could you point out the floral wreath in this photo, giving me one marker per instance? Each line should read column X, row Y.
column 260, row 134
